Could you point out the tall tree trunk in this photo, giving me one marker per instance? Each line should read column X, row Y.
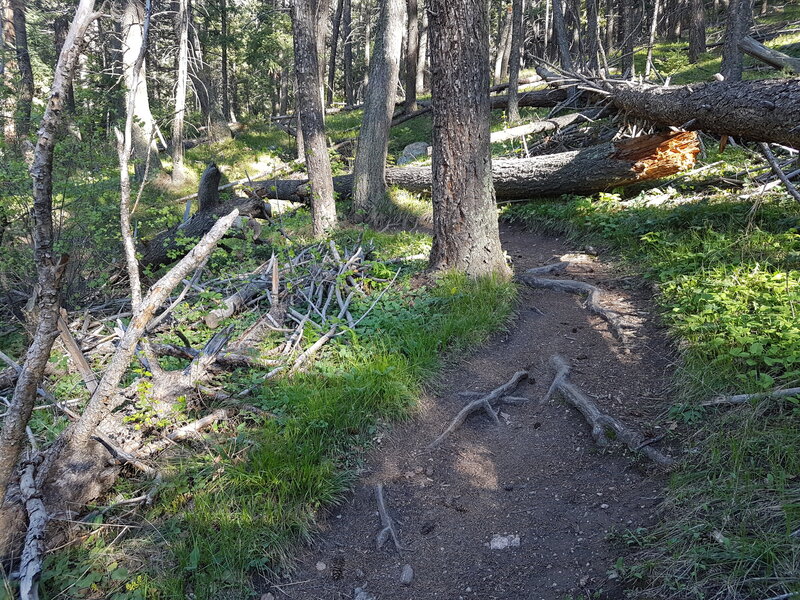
column 205, row 91
column 337, row 21
column 49, row 269
column 592, row 36
column 226, row 102
column 182, row 75
column 25, row 96
column 611, row 26
column 309, row 105
column 648, row 66
column 144, row 127
column 572, row 17
column 560, row 35
column 367, row 23
column 60, row 29
column 517, row 35
column 283, row 98
column 7, row 48
column 369, row 194
column 323, row 11
column 412, row 55
column 466, row 234
column 740, row 17
column 502, row 41
column 422, row 59
column 347, row 53
column 628, row 39
column 697, row 30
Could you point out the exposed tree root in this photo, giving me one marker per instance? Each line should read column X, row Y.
column 599, row 421
column 484, row 402
column 593, row 302
column 745, row 398
column 387, row 522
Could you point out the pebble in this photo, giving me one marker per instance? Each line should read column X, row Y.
column 359, row 594
column 321, row 566
column 267, row 596
column 604, row 506
column 501, row 542
column 429, row 470
column 407, row 576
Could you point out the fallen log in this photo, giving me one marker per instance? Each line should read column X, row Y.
column 773, row 58
column 544, row 125
column 587, row 171
column 168, row 245
column 761, row 111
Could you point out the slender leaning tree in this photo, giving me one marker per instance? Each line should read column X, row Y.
column 465, row 230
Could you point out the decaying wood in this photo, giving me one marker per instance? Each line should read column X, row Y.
column 74, row 351
column 745, row 398
column 593, row 169
column 616, row 320
column 600, row 422
column 30, row 567
column 387, row 522
column 163, row 247
column 482, row 403
column 185, row 432
column 543, row 125
column 773, row 58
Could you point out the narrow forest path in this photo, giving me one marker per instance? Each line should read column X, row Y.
column 538, row 475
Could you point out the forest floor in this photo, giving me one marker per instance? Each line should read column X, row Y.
column 538, row 476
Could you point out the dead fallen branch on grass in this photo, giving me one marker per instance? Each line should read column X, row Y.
column 484, row 402
column 745, row 398
column 600, row 422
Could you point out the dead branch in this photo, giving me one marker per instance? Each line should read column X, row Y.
column 253, row 284
column 600, row 422
column 778, row 171
column 188, row 431
column 34, row 548
column 484, row 403
column 745, row 398
column 387, row 522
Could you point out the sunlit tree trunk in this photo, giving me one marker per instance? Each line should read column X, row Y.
column 422, row 58
column 412, row 55
column 182, row 74
column 502, row 42
column 466, row 235
column 309, row 107
column 517, row 34
column 144, row 132
column 369, row 190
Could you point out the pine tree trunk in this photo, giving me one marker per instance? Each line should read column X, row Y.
column 611, row 26
column 182, row 75
column 309, row 107
column 560, row 35
column 369, row 193
column 628, row 39
column 205, row 91
column 8, row 66
column 412, row 55
column 697, row 30
column 422, row 59
column 144, row 131
column 592, row 36
column 648, row 66
column 502, row 42
column 517, row 35
column 25, row 96
column 347, row 56
column 337, row 22
column 60, row 29
column 740, row 17
column 466, row 234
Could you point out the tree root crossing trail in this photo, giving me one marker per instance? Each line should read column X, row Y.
column 508, row 481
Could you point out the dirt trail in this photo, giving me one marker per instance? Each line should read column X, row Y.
column 538, row 475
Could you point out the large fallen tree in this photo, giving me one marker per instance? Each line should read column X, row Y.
column 762, row 110
column 773, row 58
column 593, row 169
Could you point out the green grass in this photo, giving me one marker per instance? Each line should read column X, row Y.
column 728, row 282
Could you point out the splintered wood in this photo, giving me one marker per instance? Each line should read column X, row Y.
column 660, row 155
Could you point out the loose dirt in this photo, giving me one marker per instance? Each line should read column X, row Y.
column 538, row 475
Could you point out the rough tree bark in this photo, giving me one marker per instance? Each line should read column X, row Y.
column 412, row 55
column 347, row 53
column 337, row 22
column 206, row 94
column 517, row 35
column 49, row 268
column 369, row 193
column 182, row 74
column 25, row 95
column 592, row 36
column 144, row 133
column 697, row 30
column 502, row 42
column 466, row 234
column 593, row 169
column 628, row 33
column 766, row 110
column 740, row 17
column 309, row 104
column 560, row 35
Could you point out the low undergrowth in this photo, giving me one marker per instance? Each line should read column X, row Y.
column 726, row 277
column 231, row 508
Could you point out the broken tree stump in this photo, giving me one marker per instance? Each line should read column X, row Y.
column 482, row 403
column 600, row 422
